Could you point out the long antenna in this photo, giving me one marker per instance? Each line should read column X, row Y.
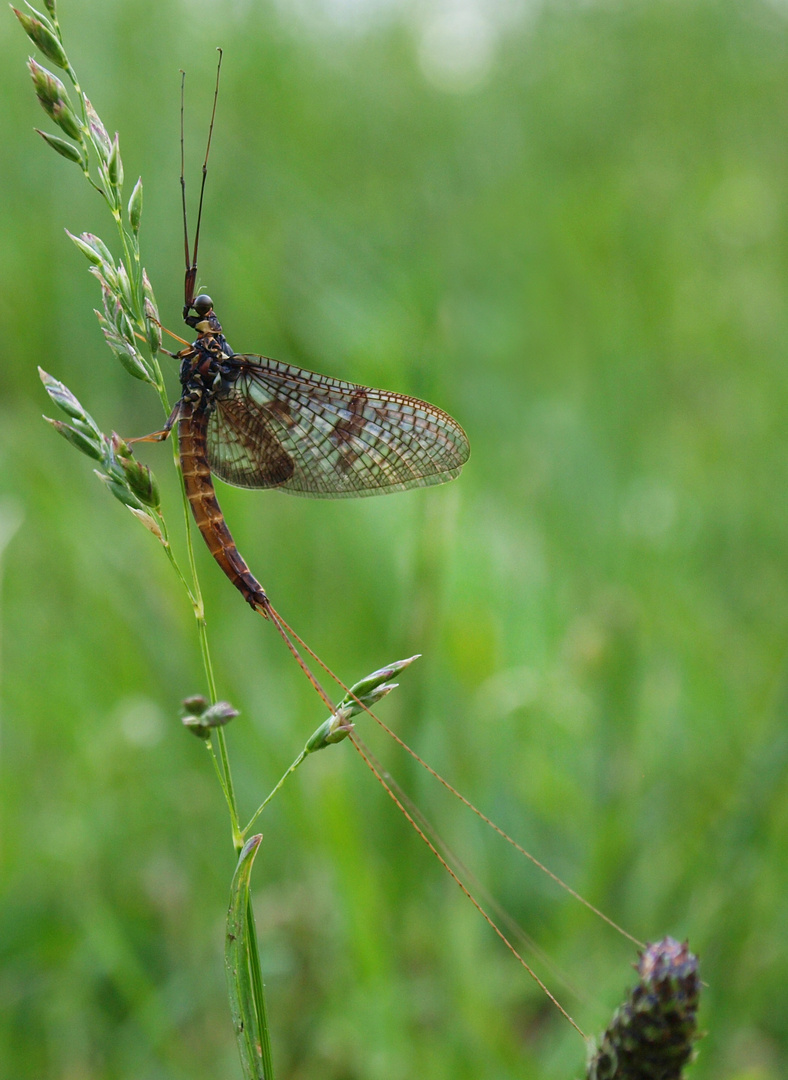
column 189, row 286
column 191, row 270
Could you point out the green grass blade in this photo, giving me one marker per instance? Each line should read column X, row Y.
column 238, row 968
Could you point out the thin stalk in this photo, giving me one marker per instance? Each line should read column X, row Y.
column 174, row 562
column 220, row 777
column 268, row 798
column 230, row 790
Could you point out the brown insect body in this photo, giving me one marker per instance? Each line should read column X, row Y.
column 204, row 364
column 259, row 423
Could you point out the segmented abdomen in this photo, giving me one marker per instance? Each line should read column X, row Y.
column 192, row 425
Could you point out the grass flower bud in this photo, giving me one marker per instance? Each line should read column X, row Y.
column 200, row 717
column 130, row 359
column 138, row 477
column 65, row 400
column 365, row 686
column 42, row 34
column 115, row 165
column 121, row 491
column 94, row 249
column 150, row 523
column 54, row 100
column 101, row 139
column 124, row 285
column 64, row 148
column 79, row 439
column 333, row 730
column 364, row 694
column 152, row 321
column 195, row 704
column 135, row 207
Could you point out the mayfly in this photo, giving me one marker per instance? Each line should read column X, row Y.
column 260, row 423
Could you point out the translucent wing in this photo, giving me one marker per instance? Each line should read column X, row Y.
column 275, row 425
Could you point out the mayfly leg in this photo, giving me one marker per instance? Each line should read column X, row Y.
column 164, row 433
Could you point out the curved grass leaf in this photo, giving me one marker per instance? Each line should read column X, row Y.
column 236, row 960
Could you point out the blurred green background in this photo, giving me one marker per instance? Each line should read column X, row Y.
column 565, row 223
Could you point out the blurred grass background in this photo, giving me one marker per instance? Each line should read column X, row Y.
column 565, row 223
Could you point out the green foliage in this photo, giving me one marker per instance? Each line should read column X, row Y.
column 582, row 257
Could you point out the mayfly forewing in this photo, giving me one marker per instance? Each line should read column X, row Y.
column 277, row 425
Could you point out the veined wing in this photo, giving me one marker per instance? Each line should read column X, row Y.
column 280, row 426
